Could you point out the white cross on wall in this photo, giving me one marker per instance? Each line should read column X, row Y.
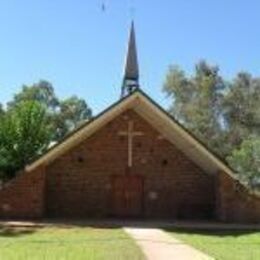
column 130, row 136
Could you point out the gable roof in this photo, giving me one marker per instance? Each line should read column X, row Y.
column 143, row 105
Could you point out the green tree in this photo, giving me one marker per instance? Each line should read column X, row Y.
column 63, row 115
column 241, row 109
column 42, row 92
column 222, row 114
column 196, row 102
column 246, row 160
column 73, row 111
column 1, row 110
column 24, row 134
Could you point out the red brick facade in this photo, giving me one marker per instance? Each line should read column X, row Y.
column 235, row 203
column 81, row 183
column 24, row 196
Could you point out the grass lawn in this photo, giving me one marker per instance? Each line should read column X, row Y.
column 222, row 244
column 63, row 243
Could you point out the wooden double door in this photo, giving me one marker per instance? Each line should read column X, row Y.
column 127, row 195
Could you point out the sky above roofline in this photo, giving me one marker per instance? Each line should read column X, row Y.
column 80, row 46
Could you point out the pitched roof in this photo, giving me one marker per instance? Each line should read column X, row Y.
column 143, row 105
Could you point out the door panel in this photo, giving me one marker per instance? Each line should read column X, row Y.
column 127, row 195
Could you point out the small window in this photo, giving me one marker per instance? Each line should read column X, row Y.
column 164, row 162
column 80, row 159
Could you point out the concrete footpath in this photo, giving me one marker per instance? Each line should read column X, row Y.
column 158, row 245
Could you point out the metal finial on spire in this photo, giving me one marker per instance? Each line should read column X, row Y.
column 131, row 72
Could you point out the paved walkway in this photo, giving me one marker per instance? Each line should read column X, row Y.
column 158, row 245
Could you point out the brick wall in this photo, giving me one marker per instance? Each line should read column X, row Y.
column 235, row 203
column 79, row 182
column 23, row 197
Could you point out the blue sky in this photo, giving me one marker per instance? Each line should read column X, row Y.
column 81, row 49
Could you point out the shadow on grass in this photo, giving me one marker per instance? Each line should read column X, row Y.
column 22, row 228
column 15, row 231
column 212, row 232
column 19, row 228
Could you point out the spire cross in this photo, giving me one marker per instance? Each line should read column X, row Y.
column 130, row 133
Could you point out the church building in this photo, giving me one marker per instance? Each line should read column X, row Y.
column 133, row 160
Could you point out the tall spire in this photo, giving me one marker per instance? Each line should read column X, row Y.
column 131, row 72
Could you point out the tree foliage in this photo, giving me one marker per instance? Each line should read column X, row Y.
column 221, row 113
column 196, row 101
column 1, row 110
column 241, row 109
column 63, row 115
column 24, row 134
column 73, row 111
column 246, row 159
column 34, row 119
column 42, row 92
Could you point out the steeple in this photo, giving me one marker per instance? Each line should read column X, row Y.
column 131, row 72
